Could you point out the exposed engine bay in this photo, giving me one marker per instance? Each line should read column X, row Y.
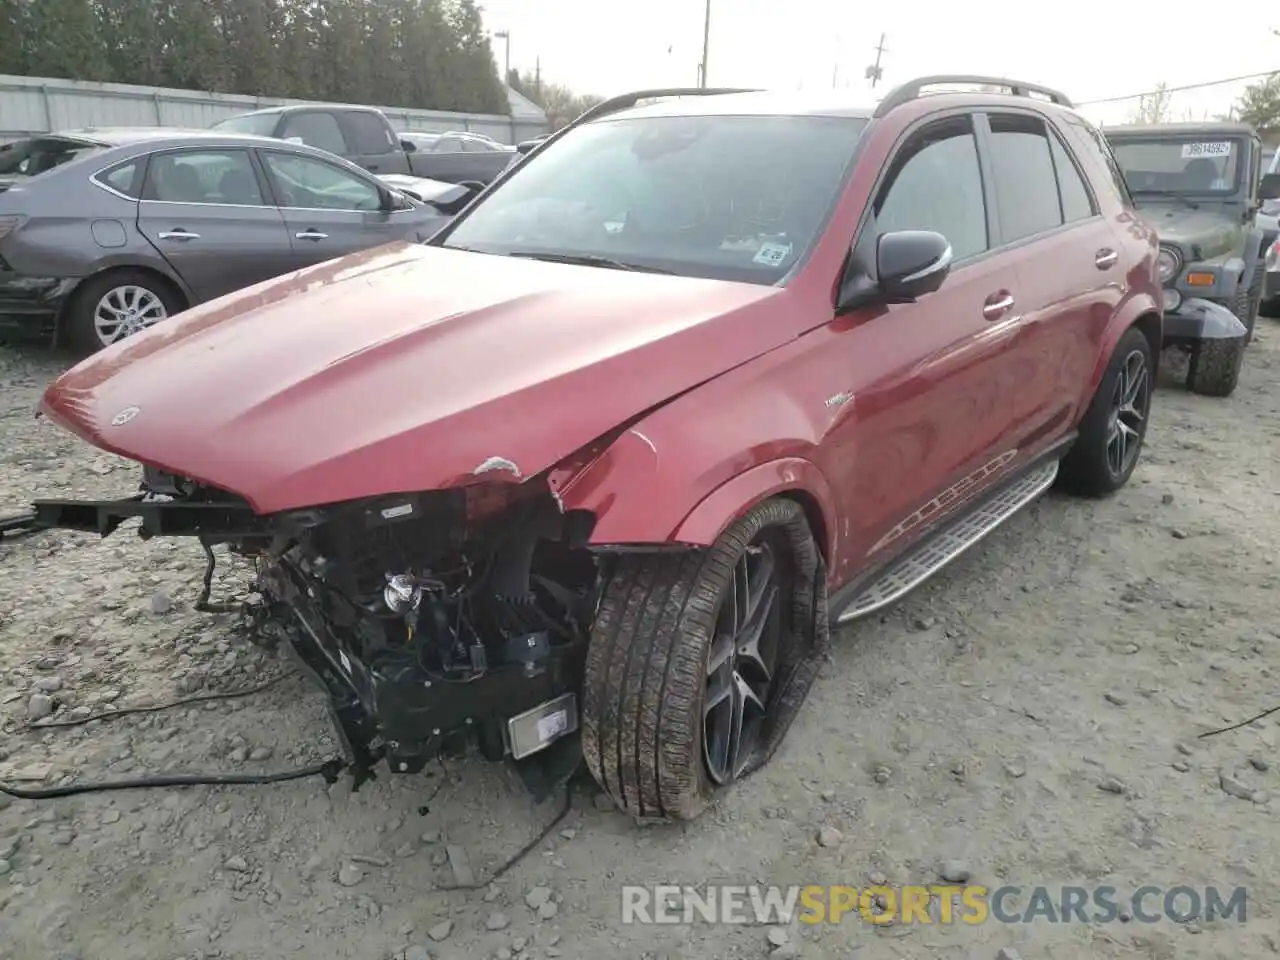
column 431, row 620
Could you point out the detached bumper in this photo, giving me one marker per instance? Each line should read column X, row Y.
column 31, row 304
column 1197, row 319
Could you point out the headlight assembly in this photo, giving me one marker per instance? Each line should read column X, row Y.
column 1167, row 264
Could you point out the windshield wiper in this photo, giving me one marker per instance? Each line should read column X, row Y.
column 587, row 260
column 1167, row 193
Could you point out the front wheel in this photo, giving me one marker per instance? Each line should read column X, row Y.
column 699, row 660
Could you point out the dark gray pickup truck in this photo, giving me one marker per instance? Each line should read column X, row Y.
column 365, row 136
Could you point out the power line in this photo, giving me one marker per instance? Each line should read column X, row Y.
column 1188, row 86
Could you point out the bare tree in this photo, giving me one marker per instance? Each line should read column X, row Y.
column 1154, row 107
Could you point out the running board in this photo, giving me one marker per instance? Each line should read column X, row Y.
column 907, row 573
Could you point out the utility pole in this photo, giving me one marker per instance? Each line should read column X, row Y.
column 537, row 76
column 706, row 45
column 874, row 72
column 505, row 35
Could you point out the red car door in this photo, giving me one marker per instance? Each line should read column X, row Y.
column 932, row 384
column 1070, row 267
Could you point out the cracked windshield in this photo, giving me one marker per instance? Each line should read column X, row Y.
column 617, row 480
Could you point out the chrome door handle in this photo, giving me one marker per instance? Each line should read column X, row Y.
column 179, row 234
column 1105, row 259
column 311, row 235
column 994, row 309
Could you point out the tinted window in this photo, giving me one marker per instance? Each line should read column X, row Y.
column 1094, row 142
column 314, row 184
column 204, row 176
column 935, row 184
column 122, row 178
column 370, row 133
column 315, row 130
column 728, row 197
column 1196, row 164
column 1076, row 204
column 1025, row 185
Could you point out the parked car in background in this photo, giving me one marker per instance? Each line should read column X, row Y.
column 106, row 232
column 590, row 474
column 1197, row 185
column 365, row 136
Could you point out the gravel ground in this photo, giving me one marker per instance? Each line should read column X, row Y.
column 1033, row 713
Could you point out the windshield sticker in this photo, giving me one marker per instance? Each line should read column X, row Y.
column 772, row 254
column 1220, row 149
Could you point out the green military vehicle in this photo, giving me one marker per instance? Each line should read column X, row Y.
column 1196, row 184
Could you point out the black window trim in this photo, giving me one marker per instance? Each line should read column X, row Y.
column 267, row 198
column 1096, row 139
column 1094, row 204
column 982, row 121
column 904, row 139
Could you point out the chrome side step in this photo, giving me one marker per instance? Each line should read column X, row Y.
column 928, row 558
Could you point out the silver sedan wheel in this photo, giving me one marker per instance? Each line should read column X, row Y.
column 124, row 311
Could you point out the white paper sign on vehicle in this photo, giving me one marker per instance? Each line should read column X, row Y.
column 553, row 725
column 772, row 254
column 1217, row 149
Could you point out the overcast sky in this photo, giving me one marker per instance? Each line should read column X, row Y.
column 609, row 46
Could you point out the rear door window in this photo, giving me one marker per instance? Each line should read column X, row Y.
column 315, row 129
column 1026, row 186
column 203, row 176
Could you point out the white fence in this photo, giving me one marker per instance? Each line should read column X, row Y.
column 38, row 105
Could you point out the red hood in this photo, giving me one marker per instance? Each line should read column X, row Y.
column 405, row 368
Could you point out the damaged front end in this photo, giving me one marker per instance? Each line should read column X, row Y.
column 430, row 619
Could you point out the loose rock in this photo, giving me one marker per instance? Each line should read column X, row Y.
column 778, row 936
column 441, row 930
column 350, row 875
column 1260, row 764
column 235, row 864
column 829, row 837
column 1236, row 788
column 1112, row 785
column 497, row 921
column 536, row 897
column 954, row 871
column 39, row 706
column 1008, row 953
column 160, row 603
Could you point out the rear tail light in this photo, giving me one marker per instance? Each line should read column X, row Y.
column 9, row 224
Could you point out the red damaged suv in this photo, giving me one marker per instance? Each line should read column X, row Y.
column 590, row 474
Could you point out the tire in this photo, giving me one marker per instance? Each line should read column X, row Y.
column 647, row 671
column 119, row 288
column 1090, row 467
column 1214, row 369
column 1247, row 302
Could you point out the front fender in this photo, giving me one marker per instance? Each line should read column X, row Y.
column 731, row 500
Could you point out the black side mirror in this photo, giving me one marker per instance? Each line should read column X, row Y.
column 1269, row 188
column 408, row 146
column 911, row 263
column 527, row 146
column 386, row 199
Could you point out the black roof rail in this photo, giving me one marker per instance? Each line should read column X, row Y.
column 625, row 100
column 912, row 90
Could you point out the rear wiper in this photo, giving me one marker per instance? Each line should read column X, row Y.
column 1168, row 193
column 587, row 260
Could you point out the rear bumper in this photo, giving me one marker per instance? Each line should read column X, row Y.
column 1197, row 319
column 32, row 304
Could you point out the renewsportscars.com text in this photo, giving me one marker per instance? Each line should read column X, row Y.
column 933, row 904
